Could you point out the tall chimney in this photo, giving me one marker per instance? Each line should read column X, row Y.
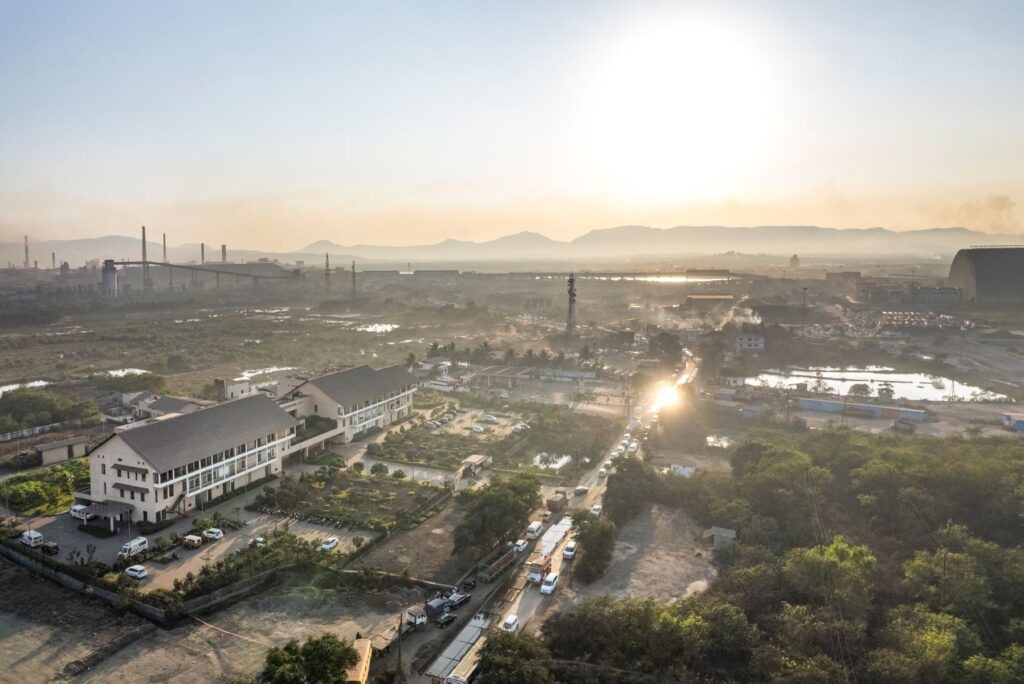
column 223, row 254
column 147, row 282
column 53, row 260
column 202, row 252
column 26, row 252
column 165, row 248
column 353, row 279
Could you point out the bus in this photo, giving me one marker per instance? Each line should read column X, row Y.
column 465, row 671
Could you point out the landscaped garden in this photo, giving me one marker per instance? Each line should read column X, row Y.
column 383, row 501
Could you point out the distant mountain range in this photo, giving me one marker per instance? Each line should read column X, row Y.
column 644, row 241
column 619, row 243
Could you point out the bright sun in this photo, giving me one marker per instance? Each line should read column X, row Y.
column 683, row 108
column 667, row 396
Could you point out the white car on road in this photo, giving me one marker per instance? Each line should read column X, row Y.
column 136, row 572
column 521, row 545
column 510, row 623
column 570, row 551
column 596, row 509
column 329, row 544
column 213, row 534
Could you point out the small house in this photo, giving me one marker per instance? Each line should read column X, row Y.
column 54, row 452
column 722, row 538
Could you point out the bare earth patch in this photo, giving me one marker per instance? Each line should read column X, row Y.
column 658, row 554
column 424, row 552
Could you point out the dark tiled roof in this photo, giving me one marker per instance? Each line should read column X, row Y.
column 169, row 404
column 177, row 441
column 362, row 383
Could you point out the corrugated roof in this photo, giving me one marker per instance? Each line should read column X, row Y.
column 189, row 437
column 362, row 383
column 62, row 443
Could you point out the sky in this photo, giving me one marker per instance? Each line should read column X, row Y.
column 271, row 125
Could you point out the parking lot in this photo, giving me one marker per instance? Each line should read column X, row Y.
column 63, row 529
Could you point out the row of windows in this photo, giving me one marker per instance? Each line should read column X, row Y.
column 217, row 458
column 368, row 403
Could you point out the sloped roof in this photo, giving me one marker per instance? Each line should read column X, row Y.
column 179, row 440
column 170, row 404
column 714, row 531
column 62, row 443
column 362, row 383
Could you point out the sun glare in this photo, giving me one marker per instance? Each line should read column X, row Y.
column 683, row 108
column 667, row 396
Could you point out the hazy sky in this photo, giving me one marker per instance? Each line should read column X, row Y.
column 272, row 124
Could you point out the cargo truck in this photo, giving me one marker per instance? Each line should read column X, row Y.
column 538, row 565
column 496, row 561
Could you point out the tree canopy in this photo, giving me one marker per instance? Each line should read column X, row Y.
column 325, row 658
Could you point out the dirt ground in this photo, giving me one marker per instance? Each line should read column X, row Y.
column 656, row 555
column 45, row 630
column 425, row 552
column 203, row 653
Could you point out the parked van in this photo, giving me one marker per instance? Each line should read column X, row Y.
column 133, row 547
column 81, row 512
column 31, row 538
column 549, row 584
column 533, row 531
column 192, row 541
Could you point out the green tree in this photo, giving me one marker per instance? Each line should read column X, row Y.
column 838, row 575
column 496, row 512
column 860, row 389
column 597, row 543
column 514, row 659
column 948, row 581
column 320, row 659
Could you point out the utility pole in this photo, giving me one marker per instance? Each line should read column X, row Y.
column 327, row 271
column 147, row 281
column 353, row 279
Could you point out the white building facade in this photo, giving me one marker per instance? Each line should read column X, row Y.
column 181, row 462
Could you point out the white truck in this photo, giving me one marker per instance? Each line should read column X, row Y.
column 133, row 547
column 415, row 618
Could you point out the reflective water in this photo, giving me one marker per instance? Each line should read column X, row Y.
column 19, row 385
column 914, row 386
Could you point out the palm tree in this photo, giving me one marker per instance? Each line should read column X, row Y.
column 510, row 355
column 433, row 350
column 544, row 356
column 585, row 353
column 529, row 356
column 410, row 360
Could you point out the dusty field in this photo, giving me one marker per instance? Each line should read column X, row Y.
column 201, row 653
column 425, row 552
column 655, row 555
column 46, row 630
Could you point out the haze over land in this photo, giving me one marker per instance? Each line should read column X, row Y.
column 622, row 242
column 268, row 127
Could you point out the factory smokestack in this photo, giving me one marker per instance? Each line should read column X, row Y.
column 26, row 252
column 147, row 282
column 165, row 248
column 202, row 252
column 353, row 279
column 223, row 254
column 53, row 260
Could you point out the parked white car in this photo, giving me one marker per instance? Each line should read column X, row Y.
column 136, row 572
column 510, row 623
column 520, row 545
column 329, row 544
column 570, row 550
column 213, row 534
column 549, row 584
column 477, row 430
column 596, row 509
